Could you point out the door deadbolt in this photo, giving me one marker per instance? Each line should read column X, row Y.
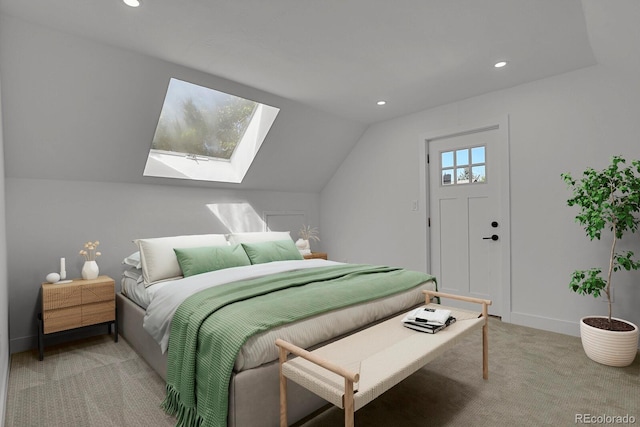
column 494, row 224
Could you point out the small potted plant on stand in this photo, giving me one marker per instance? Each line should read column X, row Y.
column 306, row 234
column 609, row 199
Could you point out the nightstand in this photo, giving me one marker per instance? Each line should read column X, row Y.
column 316, row 255
column 77, row 304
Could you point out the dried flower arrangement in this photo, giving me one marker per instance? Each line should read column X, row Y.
column 309, row 233
column 89, row 252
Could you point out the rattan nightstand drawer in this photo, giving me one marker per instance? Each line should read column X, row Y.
column 316, row 255
column 98, row 312
column 61, row 296
column 62, row 319
column 98, row 292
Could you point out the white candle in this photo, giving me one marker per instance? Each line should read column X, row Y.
column 62, row 268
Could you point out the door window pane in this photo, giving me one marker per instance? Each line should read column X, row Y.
column 462, row 157
column 478, row 174
column 447, row 159
column 462, row 175
column 477, row 155
column 447, row 175
column 463, row 166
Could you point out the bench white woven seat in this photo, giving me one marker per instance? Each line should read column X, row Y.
column 353, row 371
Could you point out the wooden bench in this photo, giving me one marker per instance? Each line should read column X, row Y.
column 353, row 371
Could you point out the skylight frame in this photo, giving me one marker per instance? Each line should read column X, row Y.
column 181, row 165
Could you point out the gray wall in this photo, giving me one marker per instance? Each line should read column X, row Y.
column 559, row 124
column 50, row 219
column 4, row 294
column 80, row 110
column 79, row 118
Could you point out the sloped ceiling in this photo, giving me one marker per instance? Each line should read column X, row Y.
column 341, row 56
column 614, row 33
column 325, row 62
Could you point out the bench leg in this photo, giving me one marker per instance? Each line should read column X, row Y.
column 348, row 403
column 283, row 390
column 485, row 351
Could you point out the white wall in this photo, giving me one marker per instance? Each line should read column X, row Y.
column 4, row 295
column 559, row 124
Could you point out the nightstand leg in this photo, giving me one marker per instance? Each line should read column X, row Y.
column 40, row 338
column 115, row 326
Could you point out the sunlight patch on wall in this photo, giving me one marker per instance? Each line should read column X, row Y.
column 238, row 217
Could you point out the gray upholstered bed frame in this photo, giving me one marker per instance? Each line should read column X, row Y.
column 254, row 398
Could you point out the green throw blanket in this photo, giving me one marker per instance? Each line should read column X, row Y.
column 210, row 327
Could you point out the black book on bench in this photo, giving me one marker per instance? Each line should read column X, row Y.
column 429, row 328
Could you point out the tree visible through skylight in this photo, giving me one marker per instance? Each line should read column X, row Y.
column 205, row 134
column 201, row 121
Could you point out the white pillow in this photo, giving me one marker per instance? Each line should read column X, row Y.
column 133, row 273
column 159, row 262
column 133, row 260
column 258, row 237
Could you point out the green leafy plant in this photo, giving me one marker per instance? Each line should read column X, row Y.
column 608, row 199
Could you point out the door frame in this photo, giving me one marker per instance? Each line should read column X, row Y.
column 501, row 124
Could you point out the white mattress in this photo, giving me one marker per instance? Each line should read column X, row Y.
column 161, row 301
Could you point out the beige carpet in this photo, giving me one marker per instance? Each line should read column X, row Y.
column 93, row 382
column 536, row 378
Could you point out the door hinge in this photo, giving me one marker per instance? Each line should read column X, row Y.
column 427, row 158
column 428, row 222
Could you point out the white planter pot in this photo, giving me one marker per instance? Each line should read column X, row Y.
column 609, row 347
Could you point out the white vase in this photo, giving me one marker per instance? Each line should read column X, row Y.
column 303, row 245
column 610, row 348
column 90, row 270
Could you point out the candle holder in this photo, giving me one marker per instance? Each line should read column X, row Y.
column 63, row 271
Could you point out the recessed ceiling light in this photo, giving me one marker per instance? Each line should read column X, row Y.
column 381, row 102
column 500, row 64
column 132, row 3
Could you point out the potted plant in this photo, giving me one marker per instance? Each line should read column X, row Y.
column 607, row 199
column 306, row 233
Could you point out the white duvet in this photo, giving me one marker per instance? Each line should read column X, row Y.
column 166, row 299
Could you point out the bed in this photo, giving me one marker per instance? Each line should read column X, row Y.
column 146, row 317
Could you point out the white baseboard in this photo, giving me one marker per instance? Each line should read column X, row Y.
column 546, row 323
column 4, row 387
column 18, row 345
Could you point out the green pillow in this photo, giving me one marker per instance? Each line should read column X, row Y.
column 280, row 250
column 210, row 258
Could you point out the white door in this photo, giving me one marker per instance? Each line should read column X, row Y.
column 469, row 215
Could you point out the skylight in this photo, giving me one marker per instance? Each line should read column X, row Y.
column 204, row 134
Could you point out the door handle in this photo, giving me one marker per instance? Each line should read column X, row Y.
column 493, row 237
